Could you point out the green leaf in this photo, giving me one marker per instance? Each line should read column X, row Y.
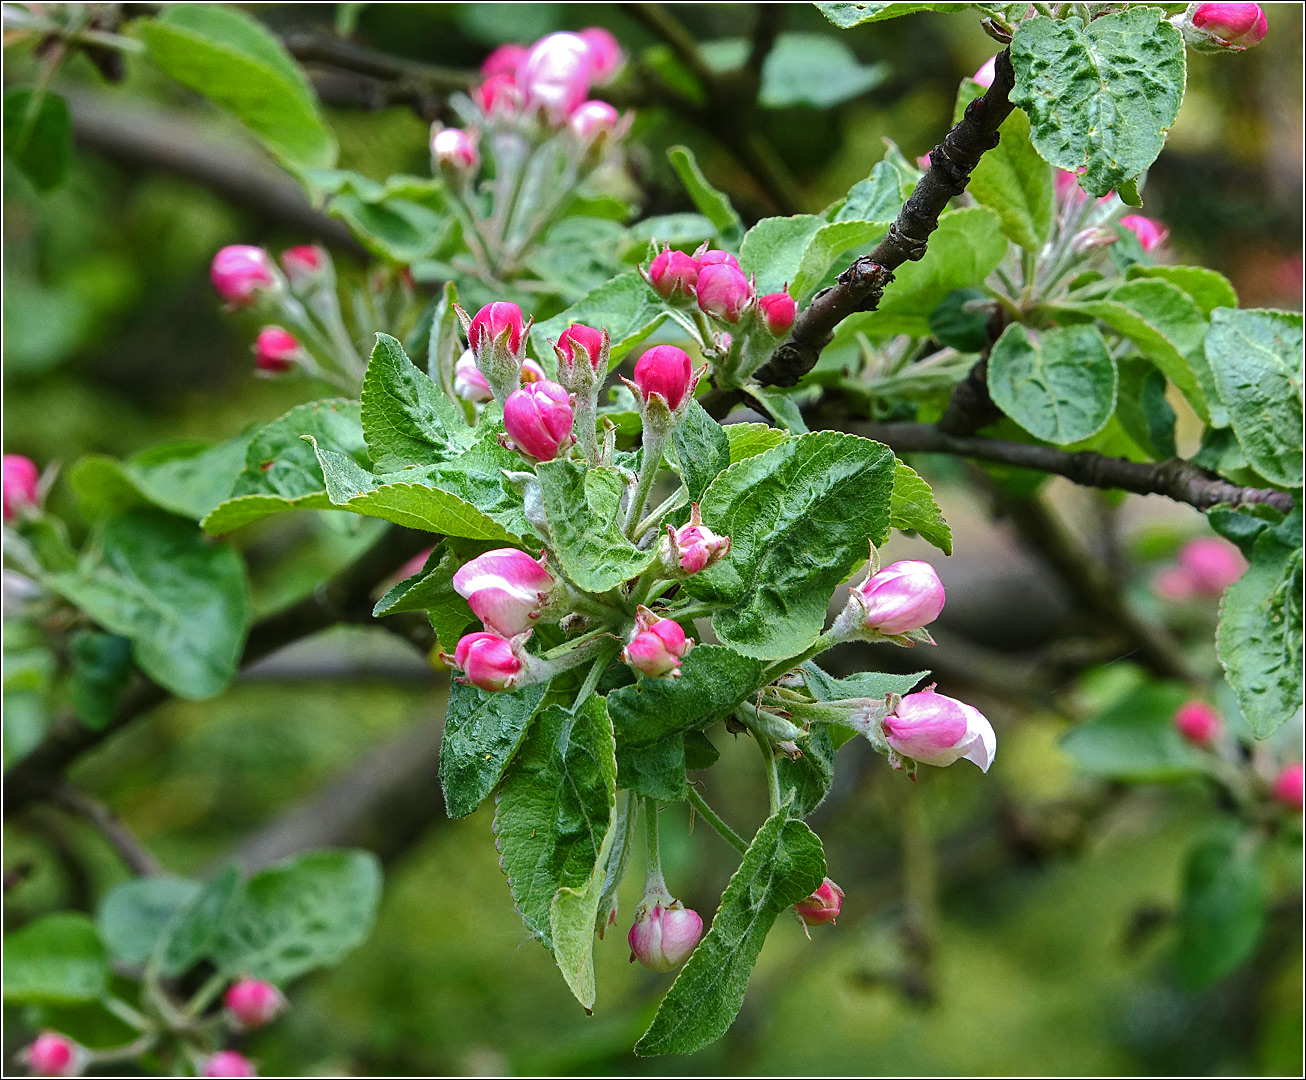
column 845, row 16
column 1259, row 638
column 711, row 203
column 431, row 590
column 749, row 440
column 627, row 307
column 783, row 864
column 1100, row 96
column 826, row 245
column 1222, row 913
column 135, row 914
column 444, row 344
column 281, row 470
column 952, row 324
column 1209, row 288
column 1135, row 739
column 877, row 198
column 101, row 668
column 702, row 450
column 799, row 518
column 39, row 142
column 1059, row 384
column 306, row 913
column 404, row 221
column 57, row 958
column 656, row 771
column 181, row 600
column 573, row 917
column 913, row 507
column 773, row 249
column 583, row 505
column 1256, row 361
column 781, row 406
column 1142, row 408
column 231, row 59
column 482, row 732
column 1013, row 180
column 787, row 72
column 190, row 938
column 407, row 419
column 185, row 478
column 554, row 808
column 805, row 780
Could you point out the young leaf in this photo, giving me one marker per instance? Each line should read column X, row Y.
column 1222, row 914
column 748, row 440
column 39, row 141
column 1209, row 289
column 825, row 246
column 773, row 249
column 702, row 450
column 184, row 478
column 805, row 780
column 573, row 918
column 190, row 937
column 846, row 16
column 656, row 771
column 787, row 72
column 1135, row 739
column 627, row 307
column 711, row 203
column 1013, row 180
column 482, row 732
column 799, row 517
column 783, row 864
column 1142, row 408
column 135, row 914
column 877, row 198
column 1058, row 384
column 913, row 507
column 101, row 669
column 57, row 958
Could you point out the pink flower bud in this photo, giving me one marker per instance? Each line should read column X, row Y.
column 468, row 382
column 506, row 589
column 492, row 321
column 413, row 566
column 498, row 94
column 531, row 372
column 901, row 597
column 723, row 291
column 592, row 119
column 454, row 149
column 303, row 264
column 228, row 1063
column 605, row 53
column 1173, row 583
column 555, row 75
column 778, row 310
column 1151, row 234
column 939, row 730
column 1197, row 722
column 1067, row 186
column 538, row 419
column 276, row 350
column 1212, row 564
column 240, row 272
column 673, row 273
column 19, row 485
column 986, row 72
column 1236, row 26
column 716, row 258
column 54, row 1054
column 694, row 546
column 487, row 660
column 657, row 645
column 580, row 344
column 822, row 906
column 666, row 371
column 253, row 1003
column 504, row 60
column 663, row 938
column 1287, row 787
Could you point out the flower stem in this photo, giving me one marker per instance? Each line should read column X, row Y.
column 654, row 442
column 655, row 884
column 712, row 818
column 772, row 773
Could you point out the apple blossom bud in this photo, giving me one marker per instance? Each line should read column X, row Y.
column 694, row 546
column 1151, row 234
column 1172, row 583
column 900, row 598
column 673, row 273
column 656, row 646
column 54, row 1054
column 506, row 589
column 663, row 937
column 1197, row 722
column 228, row 1063
column 592, row 119
column 1226, row 26
column 1212, row 564
column 1067, row 186
column 504, row 60
column 1287, row 787
column 778, row 310
column 253, row 1003
column 492, row 322
column 581, row 344
column 605, row 53
column 304, row 264
column 240, row 272
column 986, row 72
column 716, row 258
column 555, row 75
column 487, row 660
column 19, row 485
column 468, row 382
column 667, row 372
column 454, row 151
column 276, row 350
column 822, row 906
column 1087, row 240
column 723, row 291
column 539, row 419
column 938, row 730
column 498, row 95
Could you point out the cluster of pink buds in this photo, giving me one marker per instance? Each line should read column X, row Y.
column 663, row 936
column 228, row 1063
column 54, row 1054
column 692, row 547
column 20, row 486
column 657, row 646
column 822, row 906
column 938, row 730
column 1198, row 722
column 1206, row 566
column 470, row 385
column 1214, row 28
column 253, row 1003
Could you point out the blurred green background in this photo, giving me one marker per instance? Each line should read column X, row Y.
column 1015, row 923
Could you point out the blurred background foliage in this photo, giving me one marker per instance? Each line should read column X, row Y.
column 1019, row 923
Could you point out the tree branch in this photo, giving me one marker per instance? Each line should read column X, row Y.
column 860, row 286
column 133, row 853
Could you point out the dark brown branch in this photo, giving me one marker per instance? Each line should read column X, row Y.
column 345, row 598
column 135, row 855
column 312, row 48
column 970, row 407
column 859, row 287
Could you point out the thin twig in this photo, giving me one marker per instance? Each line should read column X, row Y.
column 133, row 853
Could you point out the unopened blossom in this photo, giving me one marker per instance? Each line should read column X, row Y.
column 304, row 264
column 555, row 75
column 673, row 274
column 498, row 95
column 777, row 310
column 986, row 73
column 939, row 730
column 582, row 346
column 667, row 372
column 822, row 906
column 1288, row 786
column 1151, row 234
column 454, row 150
column 253, row 1003
column 505, row 588
column 1198, row 722
column 663, row 937
column 605, row 54
column 693, row 546
column 240, row 272
column 20, row 485
column 276, row 350
column 487, row 661
column 492, row 323
column 503, row 60
column 228, row 1063
column 539, row 419
column 1211, row 563
column 54, row 1054
column 656, row 646
column 723, row 291
column 592, row 119
column 1226, row 26
column 905, row 596
column 713, row 257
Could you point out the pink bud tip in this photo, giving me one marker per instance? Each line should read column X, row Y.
column 778, row 310
column 822, row 906
column 1197, row 722
column 492, row 321
column 1151, row 234
column 454, row 149
column 663, row 938
column 276, row 350
column 1288, row 786
column 592, row 119
column 240, row 271
column 506, row 589
column 228, row 1063
column 413, row 566
column 605, row 53
column 695, row 546
column 657, row 646
column 468, row 382
column 986, row 72
column 498, row 94
column 903, row 597
column 1212, row 564
column 538, row 419
column 1233, row 25
column 488, row 661
column 939, row 730
column 19, row 485
column 723, row 291
column 667, row 371
column 555, row 75
column 673, row 273
column 580, row 344
column 253, row 1003
column 303, row 263
column 717, row 258
column 54, row 1054
column 504, row 60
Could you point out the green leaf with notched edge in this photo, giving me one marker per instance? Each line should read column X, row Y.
column 482, row 732
column 748, row 440
column 825, row 246
column 57, row 958
column 281, row 470
column 710, row 202
column 1259, row 638
column 1100, row 96
column 913, row 507
column 189, row 938
column 877, row 198
column 135, row 914
column 805, row 780
column 573, row 918
column 407, row 419
column 773, row 249
column 799, row 517
column 1059, row 384
column 627, row 307
column 702, row 450
column 864, row 684
column 181, row 599
column 1209, row 289
column 583, row 505
column 554, row 807
column 1256, row 361
column 783, row 864
column 1222, row 912
column 845, row 16
column 713, row 680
